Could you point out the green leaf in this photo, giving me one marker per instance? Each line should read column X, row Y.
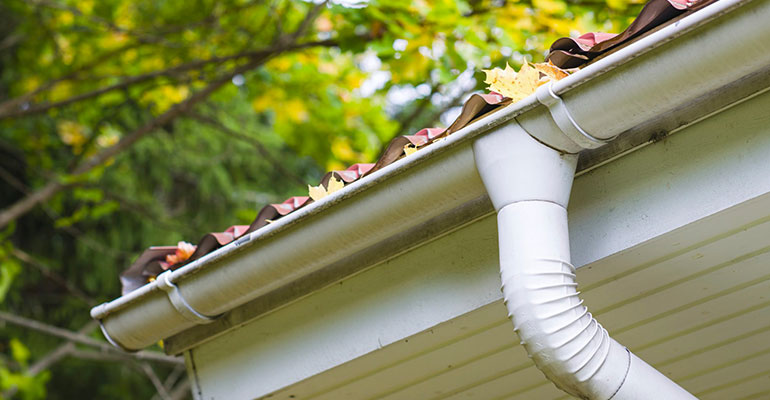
column 19, row 352
column 106, row 208
column 9, row 269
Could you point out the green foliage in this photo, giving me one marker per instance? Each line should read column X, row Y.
column 31, row 387
column 78, row 77
column 9, row 266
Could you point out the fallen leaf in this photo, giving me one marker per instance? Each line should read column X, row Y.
column 316, row 192
column 319, row 192
column 334, row 185
column 183, row 251
column 409, row 149
column 551, row 71
column 518, row 85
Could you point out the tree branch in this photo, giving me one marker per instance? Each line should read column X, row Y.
column 41, row 195
column 50, row 359
column 12, row 105
column 10, row 41
column 85, row 340
column 455, row 102
column 147, row 369
column 13, row 181
column 109, row 25
column 254, row 142
column 52, row 275
column 405, row 123
column 13, row 108
column 173, row 377
column 181, row 391
column 24, row 205
column 307, row 21
column 72, row 231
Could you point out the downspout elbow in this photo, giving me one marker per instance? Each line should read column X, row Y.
column 529, row 184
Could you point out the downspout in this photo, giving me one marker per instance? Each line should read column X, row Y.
column 529, row 182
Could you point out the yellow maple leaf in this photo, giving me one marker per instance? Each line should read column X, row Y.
column 551, row 71
column 316, row 192
column 319, row 192
column 409, row 149
column 527, row 79
column 334, row 185
column 493, row 75
column 518, row 85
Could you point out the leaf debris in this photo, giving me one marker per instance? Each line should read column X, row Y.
column 319, row 192
column 518, row 85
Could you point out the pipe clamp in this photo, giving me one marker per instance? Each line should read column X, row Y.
column 178, row 301
column 564, row 119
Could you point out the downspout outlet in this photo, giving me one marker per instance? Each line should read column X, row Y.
column 529, row 184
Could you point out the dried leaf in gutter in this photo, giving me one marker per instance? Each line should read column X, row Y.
column 183, row 251
column 551, row 71
column 316, row 192
column 334, row 185
column 319, row 192
column 518, row 85
column 409, row 149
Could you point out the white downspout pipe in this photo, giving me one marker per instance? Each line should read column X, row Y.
column 529, row 184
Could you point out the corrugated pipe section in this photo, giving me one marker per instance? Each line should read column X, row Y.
column 529, row 184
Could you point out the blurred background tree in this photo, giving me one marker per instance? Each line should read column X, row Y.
column 126, row 124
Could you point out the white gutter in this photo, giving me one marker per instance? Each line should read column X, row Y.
column 632, row 89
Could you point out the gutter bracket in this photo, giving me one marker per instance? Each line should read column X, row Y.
column 565, row 121
column 180, row 304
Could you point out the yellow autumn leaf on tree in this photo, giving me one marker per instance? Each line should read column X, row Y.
column 72, row 134
column 518, row 85
column 294, row 110
column 319, row 192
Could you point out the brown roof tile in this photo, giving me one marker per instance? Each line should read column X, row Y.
column 577, row 52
